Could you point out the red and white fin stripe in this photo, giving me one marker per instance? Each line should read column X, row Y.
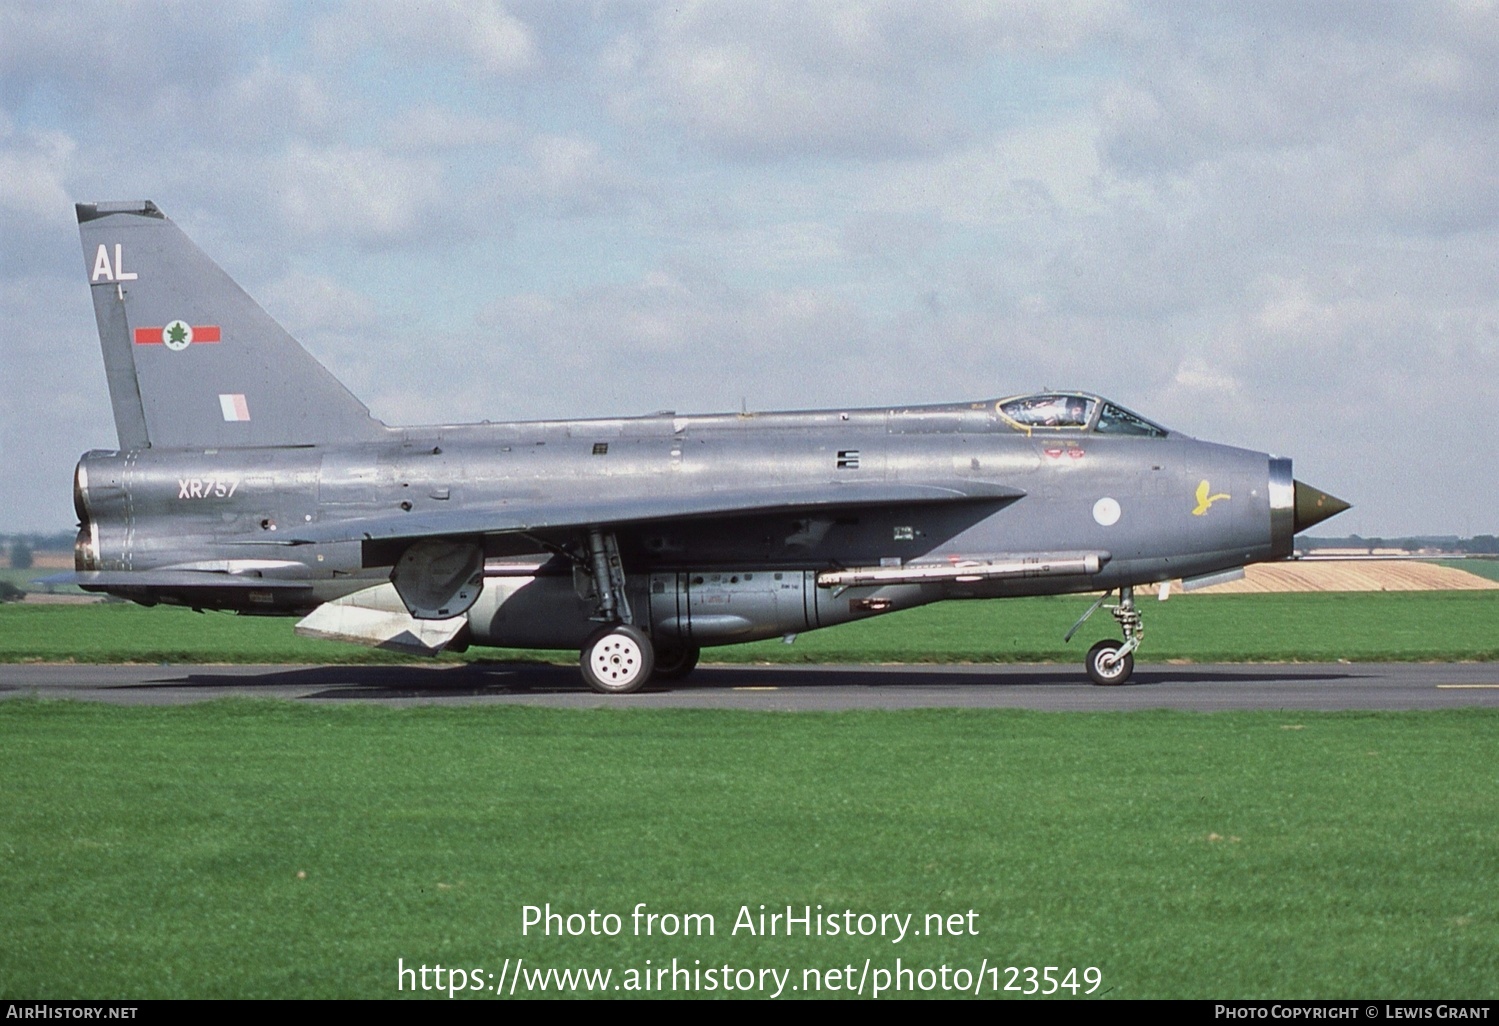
column 234, row 407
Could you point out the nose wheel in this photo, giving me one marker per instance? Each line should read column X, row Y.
column 1106, row 666
column 1112, row 662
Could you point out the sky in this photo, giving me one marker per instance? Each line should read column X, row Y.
column 1274, row 225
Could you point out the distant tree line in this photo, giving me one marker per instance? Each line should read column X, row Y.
column 21, row 548
column 59, row 542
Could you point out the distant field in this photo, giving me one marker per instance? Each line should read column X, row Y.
column 22, row 579
column 1357, row 575
column 1368, row 626
column 272, row 850
column 1488, row 568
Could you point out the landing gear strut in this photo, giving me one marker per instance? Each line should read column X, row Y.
column 619, row 658
column 1111, row 662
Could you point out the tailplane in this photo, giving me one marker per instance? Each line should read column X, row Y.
column 192, row 360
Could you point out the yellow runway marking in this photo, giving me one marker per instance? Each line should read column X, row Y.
column 1490, row 687
column 756, row 688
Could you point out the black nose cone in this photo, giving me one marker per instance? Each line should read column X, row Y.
column 1314, row 506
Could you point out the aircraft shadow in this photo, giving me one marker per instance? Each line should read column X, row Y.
column 472, row 680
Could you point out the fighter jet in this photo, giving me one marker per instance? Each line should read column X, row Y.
column 247, row 478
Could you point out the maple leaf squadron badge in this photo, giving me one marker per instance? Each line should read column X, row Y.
column 177, row 336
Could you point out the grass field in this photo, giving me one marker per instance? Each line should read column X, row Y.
column 258, row 849
column 1482, row 567
column 23, row 579
column 1285, row 627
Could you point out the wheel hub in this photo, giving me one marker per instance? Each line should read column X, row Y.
column 616, row 660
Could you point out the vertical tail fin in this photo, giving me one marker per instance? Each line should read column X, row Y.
column 192, row 360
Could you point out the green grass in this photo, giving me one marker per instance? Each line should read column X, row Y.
column 1368, row 626
column 157, row 852
column 122, row 632
column 23, row 579
column 1307, row 627
column 1479, row 567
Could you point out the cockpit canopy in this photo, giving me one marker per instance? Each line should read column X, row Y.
column 1074, row 411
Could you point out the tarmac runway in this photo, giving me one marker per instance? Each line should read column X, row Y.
column 1206, row 688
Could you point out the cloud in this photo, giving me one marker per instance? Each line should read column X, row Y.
column 53, row 401
column 825, row 80
column 306, row 303
column 428, row 127
column 562, row 175
column 262, row 105
column 349, row 331
column 36, row 205
column 108, row 52
column 1246, row 223
column 671, row 338
column 1357, row 114
column 481, row 35
column 356, row 192
column 33, row 166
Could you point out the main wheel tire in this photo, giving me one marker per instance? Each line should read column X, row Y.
column 618, row 660
column 1104, row 669
column 673, row 662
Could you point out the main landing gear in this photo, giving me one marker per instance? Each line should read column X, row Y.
column 673, row 662
column 1111, row 662
column 619, row 658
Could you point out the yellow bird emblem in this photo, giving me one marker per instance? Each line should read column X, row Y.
column 1205, row 501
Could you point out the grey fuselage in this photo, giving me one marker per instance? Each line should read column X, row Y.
column 1149, row 508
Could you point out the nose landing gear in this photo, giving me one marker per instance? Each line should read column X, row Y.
column 1112, row 662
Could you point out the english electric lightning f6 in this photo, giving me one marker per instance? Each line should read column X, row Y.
column 248, row 478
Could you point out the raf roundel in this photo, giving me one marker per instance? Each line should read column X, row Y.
column 1106, row 511
column 177, row 336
